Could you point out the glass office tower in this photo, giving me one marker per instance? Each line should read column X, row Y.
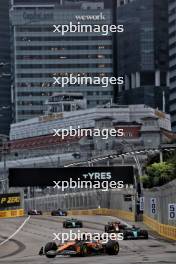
column 143, row 53
column 5, row 77
column 40, row 54
column 172, row 57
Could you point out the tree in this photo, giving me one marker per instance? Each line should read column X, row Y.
column 158, row 174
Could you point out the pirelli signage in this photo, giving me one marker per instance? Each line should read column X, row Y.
column 10, row 200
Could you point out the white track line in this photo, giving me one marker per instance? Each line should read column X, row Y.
column 16, row 232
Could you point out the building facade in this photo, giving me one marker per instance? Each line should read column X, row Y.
column 34, row 143
column 140, row 54
column 172, row 57
column 143, row 53
column 143, row 127
column 5, row 77
column 41, row 54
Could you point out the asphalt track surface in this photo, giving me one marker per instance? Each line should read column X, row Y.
column 24, row 247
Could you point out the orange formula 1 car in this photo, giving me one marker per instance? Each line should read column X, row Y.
column 80, row 248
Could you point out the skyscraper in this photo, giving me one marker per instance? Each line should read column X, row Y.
column 40, row 54
column 172, row 57
column 143, row 53
column 5, row 78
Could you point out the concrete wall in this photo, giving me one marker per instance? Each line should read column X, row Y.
column 111, row 200
column 81, row 200
column 164, row 195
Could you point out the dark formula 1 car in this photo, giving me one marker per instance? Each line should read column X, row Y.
column 80, row 248
column 134, row 233
column 34, row 212
column 58, row 212
column 114, row 227
column 72, row 223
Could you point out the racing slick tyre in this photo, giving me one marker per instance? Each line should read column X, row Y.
column 112, row 247
column 106, row 229
column 125, row 235
column 81, row 225
column 83, row 250
column 65, row 225
column 145, row 234
column 50, row 246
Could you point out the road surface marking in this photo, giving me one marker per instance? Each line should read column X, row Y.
column 16, row 232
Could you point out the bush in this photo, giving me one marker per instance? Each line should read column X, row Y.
column 159, row 174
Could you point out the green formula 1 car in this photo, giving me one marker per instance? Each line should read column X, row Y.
column 134, row 233
column 72, row 223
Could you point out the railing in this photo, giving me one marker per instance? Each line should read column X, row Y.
column 103, row 211
column 166, row 231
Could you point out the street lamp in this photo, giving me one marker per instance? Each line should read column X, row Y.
column 136, row 159
column 137, row 179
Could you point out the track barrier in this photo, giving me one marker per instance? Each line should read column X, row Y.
column 12, row 213
column 103, row 211
column 166, row 231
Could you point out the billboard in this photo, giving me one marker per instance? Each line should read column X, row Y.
column 30, row 177
column 10, row 200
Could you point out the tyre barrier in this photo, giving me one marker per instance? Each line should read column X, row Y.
column 103, row 211
column 12, row 213
column 166, row 231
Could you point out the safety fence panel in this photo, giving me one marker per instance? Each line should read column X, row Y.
column 164, row 230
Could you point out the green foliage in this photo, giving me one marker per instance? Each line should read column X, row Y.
column 172, row 159
column 158, row 174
